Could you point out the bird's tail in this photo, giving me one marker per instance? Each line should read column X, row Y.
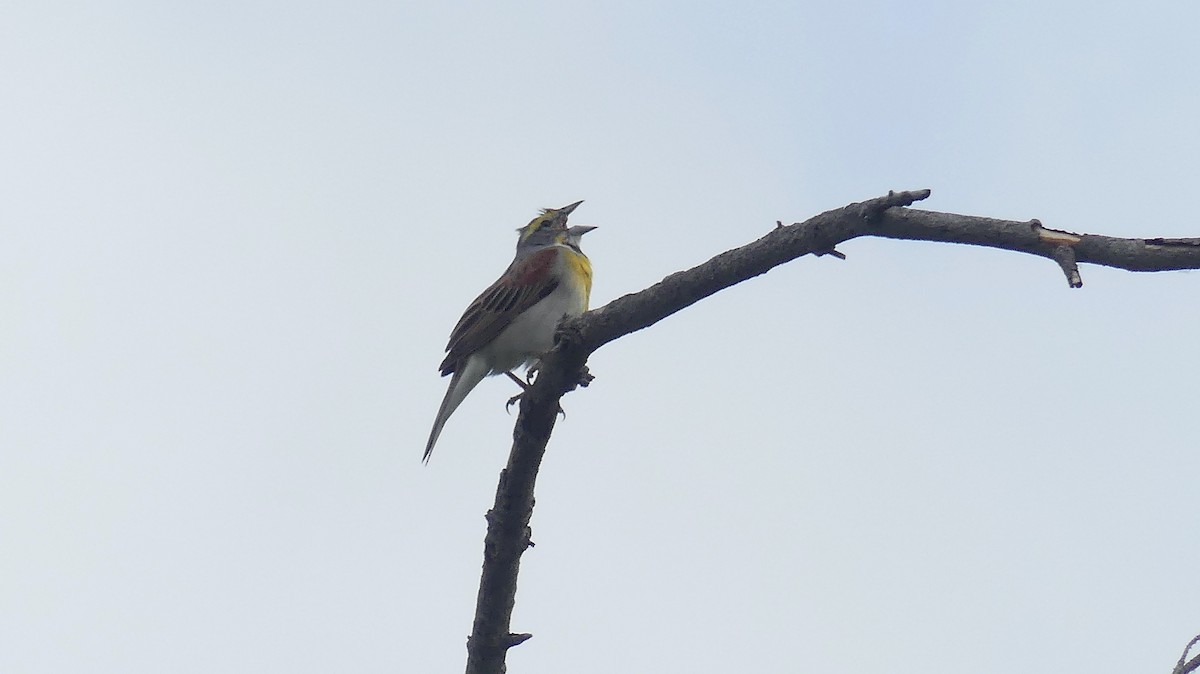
column 472, row 372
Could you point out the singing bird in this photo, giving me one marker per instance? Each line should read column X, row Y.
column 512, row 323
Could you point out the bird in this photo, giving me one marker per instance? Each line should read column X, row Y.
column 512, row 323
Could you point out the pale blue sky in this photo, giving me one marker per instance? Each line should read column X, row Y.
column 236, row 236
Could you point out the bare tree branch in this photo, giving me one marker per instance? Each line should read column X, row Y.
column 508, row 533
column 1186, row 666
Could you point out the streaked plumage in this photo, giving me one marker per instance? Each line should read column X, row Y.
column 512, row 322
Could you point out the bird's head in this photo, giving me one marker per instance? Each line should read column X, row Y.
column 547, row 228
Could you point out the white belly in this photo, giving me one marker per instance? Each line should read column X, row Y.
column 532, row 333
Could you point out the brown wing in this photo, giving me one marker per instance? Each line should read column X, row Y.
column 525, row 283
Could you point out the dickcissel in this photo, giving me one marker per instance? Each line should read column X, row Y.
column 512, row 323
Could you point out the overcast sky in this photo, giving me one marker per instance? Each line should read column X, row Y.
column 235, row 236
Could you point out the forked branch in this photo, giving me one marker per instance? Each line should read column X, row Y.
column 508, row 533
column 1185, row 666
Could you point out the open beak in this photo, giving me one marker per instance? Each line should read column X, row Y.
column 580, row 230
column 566, row 210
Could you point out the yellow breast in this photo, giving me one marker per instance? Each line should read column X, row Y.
column 580, row 269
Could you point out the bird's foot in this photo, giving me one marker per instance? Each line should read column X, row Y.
column 524, row 387
column 513, row 401
column 585, row 378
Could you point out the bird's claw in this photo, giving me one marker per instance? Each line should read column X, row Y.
column 512, row 401
column 585, row 378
